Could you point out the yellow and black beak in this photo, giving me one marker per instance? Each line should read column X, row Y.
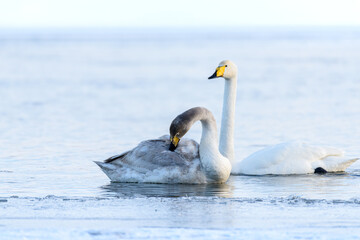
column 218, row 73
column 174, row 143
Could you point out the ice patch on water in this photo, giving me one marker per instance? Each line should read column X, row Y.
column 177, row 233
column 292, row 200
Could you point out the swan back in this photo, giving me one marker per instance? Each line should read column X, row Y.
column 293, row 158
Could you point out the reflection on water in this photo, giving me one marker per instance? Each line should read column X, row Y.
column 166, row 190
column 332, row 186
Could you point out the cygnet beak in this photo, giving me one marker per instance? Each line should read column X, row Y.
column 174, row 143
column 172, row 147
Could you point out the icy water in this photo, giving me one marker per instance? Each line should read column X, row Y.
column 71, row 97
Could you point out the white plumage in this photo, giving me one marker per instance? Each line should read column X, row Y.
column 293, row 158
column 284, row 158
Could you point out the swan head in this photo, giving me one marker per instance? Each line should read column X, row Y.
column 226, row 69
column 182, row 124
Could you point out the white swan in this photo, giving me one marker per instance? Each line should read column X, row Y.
column 284, row 158
column 153, row 161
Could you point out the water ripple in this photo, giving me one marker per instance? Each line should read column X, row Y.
column 290, row 200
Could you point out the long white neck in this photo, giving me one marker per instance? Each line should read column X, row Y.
column 226, row 145
column 217, row 167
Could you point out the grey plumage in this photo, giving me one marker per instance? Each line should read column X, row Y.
column 153, row 156
column 152, row 161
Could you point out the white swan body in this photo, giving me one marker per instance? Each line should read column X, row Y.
column 284, row 158
column 293, row 158
column 152, row 161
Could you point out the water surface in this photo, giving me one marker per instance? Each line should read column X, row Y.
column 72, row 97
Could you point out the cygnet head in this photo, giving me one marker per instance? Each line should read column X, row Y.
column 226, row 69
column 181, row 125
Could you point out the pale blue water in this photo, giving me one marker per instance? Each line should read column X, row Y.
column 70, row 97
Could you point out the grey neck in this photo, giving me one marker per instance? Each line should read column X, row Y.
column 215, row 166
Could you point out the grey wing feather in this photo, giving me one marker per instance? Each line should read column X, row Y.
column 122, row 155
column 113, row 158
